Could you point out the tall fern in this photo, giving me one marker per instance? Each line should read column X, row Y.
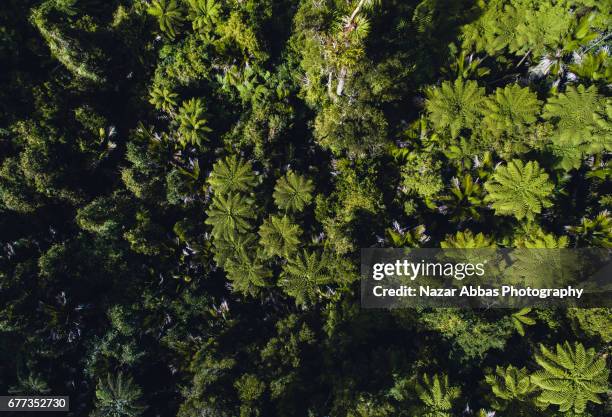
column 303, row 275
column 118, row 396
column 229, row 214
column 455, row 106
column 519, row 189
column 293, row 192
column 169, row 15
column 573, row 114
column 437, row 395
column 510, row 111
column 230, row 175
column 279, row 236
column 193, row 124
column 571, row 377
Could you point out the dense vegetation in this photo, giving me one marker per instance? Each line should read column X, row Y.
column 185, row 186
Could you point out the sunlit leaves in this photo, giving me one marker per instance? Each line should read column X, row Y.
column 437, row 395
column 230, row 214
column 163, row 98
column 570, row 377
column 519, row 189
column 510, row 111
column 293, row 192
column 118, row 396
column 204, row 14
column 455, row 106
column 231, row 174
column 279, row 236
column 193, row 125
column 304, row 274
column 169, row 15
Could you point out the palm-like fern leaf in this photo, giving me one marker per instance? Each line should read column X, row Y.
column 229, row 214
column 118, row 397
column 303, row 275
column 437, row 395
column 519, row 189
column 571, row 377
column 455, row 106
column 279, row 236
column 231, row 174
column 193, row 125
column 510, row 111
column 293, row 192
column 511, row 383
column 204, row 14
column 573, row 113
column 168, row 14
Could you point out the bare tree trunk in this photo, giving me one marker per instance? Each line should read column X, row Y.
column 341, row 80
column 357, row 10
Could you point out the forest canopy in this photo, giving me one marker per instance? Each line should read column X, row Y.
column 185, row 187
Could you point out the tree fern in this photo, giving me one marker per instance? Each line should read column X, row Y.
column 168, row 14
column 571, row 377
column 466, row 239
column 228, row 214
column 303, row 274
column 163, row 99
column 293, row 192
column 519, row 189
column 246, row 271
column 279, row 236
column 466, row 197
column 118, row 396
column 520, row 320
column 455, row 106
column 511, row 385
column 231, row 174
column 204, row 14
column 594, row 232
column 573, row 114
column 542, row 28
column 193, row 125
column 510, row 111
column 437, row 395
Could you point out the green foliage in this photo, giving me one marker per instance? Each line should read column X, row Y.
column 249, row 390
column 163, row 99
column 193, row 125
column 520, row 320
column 220, row 268
column 293, row 192
column 465, row 199
column 571, row 377
column 595, row 232
column 118, row 396
column 304, row 274
column 279, row 236
column 169, row 16
column 229, row 214
column 512, row 386
column 67, row 49
column 466, row 239
column 510, row 114
column 574, row 115
column 593, row 321
column 519, row 189
column 437, row 395
column 204, row 14
column 231, row 175
column 455, row 106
